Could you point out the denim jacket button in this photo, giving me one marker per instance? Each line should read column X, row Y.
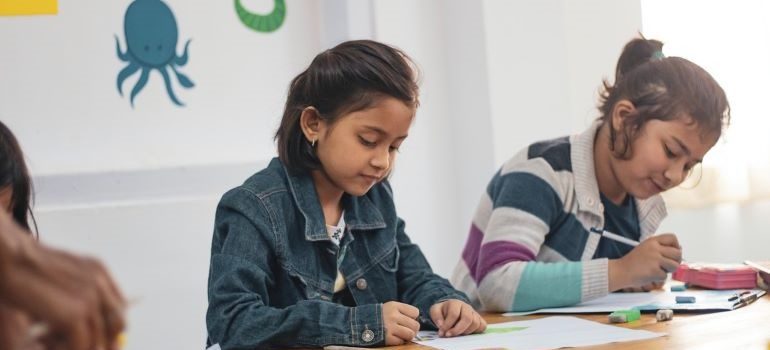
column 361, row 284
column 367, row 335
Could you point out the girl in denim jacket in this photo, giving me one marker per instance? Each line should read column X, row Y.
column 310, row 251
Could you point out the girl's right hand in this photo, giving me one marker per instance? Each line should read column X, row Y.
column 400, row 322
column 649, row 262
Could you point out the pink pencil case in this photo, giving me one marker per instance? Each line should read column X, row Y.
column 717, row 276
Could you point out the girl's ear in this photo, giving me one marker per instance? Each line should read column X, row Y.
column 620, row 112
column 311, row 123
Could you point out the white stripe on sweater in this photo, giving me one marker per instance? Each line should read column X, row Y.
column 518, row 226
column 496, row 292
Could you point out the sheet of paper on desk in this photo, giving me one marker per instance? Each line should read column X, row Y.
column 705, row 300
column 543, row 333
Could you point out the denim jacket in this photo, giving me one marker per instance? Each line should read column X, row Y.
column 273, row 267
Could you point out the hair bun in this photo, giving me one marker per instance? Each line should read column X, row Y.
column 636, row 53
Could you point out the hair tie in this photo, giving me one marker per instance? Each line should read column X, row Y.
column 658, row 55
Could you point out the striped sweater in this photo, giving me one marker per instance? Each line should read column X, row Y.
column 530, row 244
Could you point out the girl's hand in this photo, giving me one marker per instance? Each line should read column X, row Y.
column 645, row 288
column 14, row 330
column 74, row 297
column 400, row 322
column 649, row 262
column 454, row 317
column 763, row 280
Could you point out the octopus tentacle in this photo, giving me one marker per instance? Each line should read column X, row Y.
column 183, row 79
column 125, row 73
column 139, row 85
column 170, row 91
column 122, row 55
column 182, row 60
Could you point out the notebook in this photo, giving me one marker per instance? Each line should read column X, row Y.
column 717, row 276
column 705, row 300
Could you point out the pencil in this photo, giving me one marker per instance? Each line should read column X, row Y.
column 616, row 237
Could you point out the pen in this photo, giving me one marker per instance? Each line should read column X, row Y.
column 615, row 237
column 737, row 296
column 745, row 300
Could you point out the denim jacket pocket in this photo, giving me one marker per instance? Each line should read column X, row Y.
column 309, row 292
column 389, row 262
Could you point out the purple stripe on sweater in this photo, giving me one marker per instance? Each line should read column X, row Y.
column 498, row 253
column 471, row 250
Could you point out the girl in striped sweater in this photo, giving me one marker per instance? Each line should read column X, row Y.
column 536, row 238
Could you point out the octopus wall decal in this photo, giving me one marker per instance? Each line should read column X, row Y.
column 151, row 38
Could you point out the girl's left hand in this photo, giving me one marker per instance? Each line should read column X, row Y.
column 454, row 317
column 763, row 280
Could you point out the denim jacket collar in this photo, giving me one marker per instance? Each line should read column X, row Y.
column 360, row 212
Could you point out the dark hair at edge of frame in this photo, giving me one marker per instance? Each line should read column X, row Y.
column 14, row 174
column 662, row 88
column 352, row 76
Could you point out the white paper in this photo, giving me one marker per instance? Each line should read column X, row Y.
column 543, row 333
column 655, row 300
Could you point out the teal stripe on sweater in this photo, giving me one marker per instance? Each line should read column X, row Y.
column 549, row 285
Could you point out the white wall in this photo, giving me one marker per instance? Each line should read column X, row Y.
column 546, row 60
column 59, row 87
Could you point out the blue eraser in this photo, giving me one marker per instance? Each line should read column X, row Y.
column 678, row 288
column 685, row 299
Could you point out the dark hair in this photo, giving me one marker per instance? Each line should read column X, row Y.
column 14, row 174
column 662, row 88
column 352, row 76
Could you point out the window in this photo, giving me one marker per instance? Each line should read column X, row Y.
column 731, row 40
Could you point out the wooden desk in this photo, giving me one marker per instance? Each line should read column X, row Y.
column 744, row 328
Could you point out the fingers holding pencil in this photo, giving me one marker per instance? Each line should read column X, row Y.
column 649, row 262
